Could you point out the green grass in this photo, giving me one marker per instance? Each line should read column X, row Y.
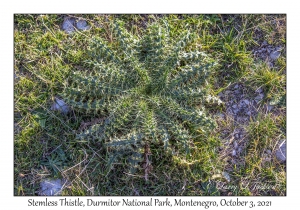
column 271, row 81
column 263, row 135
column 44, row 140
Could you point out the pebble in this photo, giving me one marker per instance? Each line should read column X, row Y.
column 247, row 102
column 242, row 103
column 51, row 187
column 236, row 86
column 235, row 111
column 226, row 176
column 60, row 105
column 259, row 97
column 281, row 152
column 68, row 25
column 235, row 144
column 233, row 152
column 275, row 55
column 227, row 92
column 237, row 92
column 82, row 25
column 264, row 43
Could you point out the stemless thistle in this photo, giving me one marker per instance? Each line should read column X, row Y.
column 151, row 89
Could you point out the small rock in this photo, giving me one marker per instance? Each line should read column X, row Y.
column 248, row 113
column 234, row 106
column 227, row 92
column 247, row 102
column 264, row 43
column 235, row 111
column 237, row 92
column 68, row 25
column 226, row 176
column 235, row 144
column 51, row 187
column 236, row 86
column 60, row 105
column 269, row 152
column 221, row 94
column 259, row 97
column 82, row 25
column 275, row 55
column 237, row 136
column 281, row 152
column 233, row 152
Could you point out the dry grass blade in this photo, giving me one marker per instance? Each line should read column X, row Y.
column 147, row 163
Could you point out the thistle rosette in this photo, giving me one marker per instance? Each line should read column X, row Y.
column 150, row 88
